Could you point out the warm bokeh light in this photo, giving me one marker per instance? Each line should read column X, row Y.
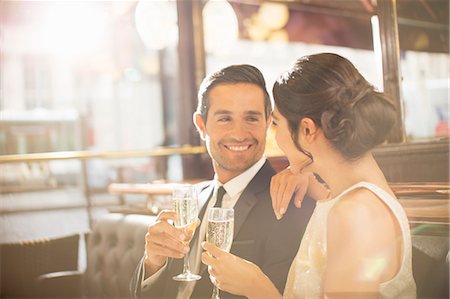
column 274, row 16
column 268, row 23
column 156, row 23
column 220, row 26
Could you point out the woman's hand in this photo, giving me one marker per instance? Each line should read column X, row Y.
column 236, row 275
column 291, row 181
column 282, row 188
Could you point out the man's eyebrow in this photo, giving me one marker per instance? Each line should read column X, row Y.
column 223, row 111
column 253, row 112
column 249, row 112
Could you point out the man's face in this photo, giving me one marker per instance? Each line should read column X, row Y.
column 235, row 129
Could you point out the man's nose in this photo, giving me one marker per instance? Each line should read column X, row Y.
column 239, row 131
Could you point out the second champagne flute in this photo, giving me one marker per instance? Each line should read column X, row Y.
column 220, row 232
column 185, row 203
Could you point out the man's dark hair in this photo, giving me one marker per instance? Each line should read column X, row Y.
column 233, row 74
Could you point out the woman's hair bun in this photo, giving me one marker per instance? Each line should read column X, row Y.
column 328, row 89
column 360, row 124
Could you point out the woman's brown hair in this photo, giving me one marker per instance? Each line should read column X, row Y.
column 328, row 89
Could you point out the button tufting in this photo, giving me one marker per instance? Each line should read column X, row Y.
column 113, row 240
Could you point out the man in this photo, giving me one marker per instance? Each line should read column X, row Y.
column 232, row 117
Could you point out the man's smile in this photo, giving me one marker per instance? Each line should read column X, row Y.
column 238, row 148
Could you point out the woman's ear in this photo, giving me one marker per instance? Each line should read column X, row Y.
column 200, row 125
column 308, row 129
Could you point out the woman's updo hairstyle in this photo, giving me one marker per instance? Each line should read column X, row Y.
column 328, row 89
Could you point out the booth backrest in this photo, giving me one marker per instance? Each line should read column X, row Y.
column 431, row 266
column 114, row 247
column 116, row 244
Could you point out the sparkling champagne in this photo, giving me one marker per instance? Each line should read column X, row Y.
column 185, row 204
column 220, row 233
column 187, row 209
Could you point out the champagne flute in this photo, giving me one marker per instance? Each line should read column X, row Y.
column 220, row 232
column 185, row 203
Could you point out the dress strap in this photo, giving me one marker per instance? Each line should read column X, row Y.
column 366, row 185
column 387, row 198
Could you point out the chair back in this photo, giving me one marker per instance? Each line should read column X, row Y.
column 21, row 263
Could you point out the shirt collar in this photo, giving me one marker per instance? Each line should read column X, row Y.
column 237, row 184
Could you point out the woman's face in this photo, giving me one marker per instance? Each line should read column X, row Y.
column 284, row 139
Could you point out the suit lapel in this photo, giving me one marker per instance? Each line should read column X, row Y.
column 249, row 196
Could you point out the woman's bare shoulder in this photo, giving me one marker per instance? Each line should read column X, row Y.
column 361, row 207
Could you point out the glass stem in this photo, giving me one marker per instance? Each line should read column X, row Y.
column 186, row 264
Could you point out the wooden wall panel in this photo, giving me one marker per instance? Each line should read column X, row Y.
column 408, row 162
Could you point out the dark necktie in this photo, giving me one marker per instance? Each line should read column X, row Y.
column 220, row 193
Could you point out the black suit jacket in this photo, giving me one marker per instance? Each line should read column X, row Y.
column 258, row 237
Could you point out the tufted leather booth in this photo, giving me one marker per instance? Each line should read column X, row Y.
column 430, row 261
column 113, row 249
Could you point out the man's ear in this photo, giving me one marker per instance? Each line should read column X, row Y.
column 200, row 125
column 308, row 129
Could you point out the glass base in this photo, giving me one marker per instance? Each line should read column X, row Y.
column 187, row 276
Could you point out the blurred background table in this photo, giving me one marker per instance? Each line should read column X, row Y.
column 154, row 192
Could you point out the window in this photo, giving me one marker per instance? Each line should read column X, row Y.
column 272, row 35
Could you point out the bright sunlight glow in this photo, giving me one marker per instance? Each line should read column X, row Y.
column 70, row 29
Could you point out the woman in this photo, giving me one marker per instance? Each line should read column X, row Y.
column 357, row 244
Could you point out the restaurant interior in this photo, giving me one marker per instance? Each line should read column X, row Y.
column 96, row 105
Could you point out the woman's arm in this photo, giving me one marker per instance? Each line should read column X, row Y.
column 236, row 275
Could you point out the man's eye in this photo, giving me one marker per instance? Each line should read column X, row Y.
column 252, row 119
column 224, row 119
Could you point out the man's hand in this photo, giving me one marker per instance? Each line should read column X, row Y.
column 164, row 240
